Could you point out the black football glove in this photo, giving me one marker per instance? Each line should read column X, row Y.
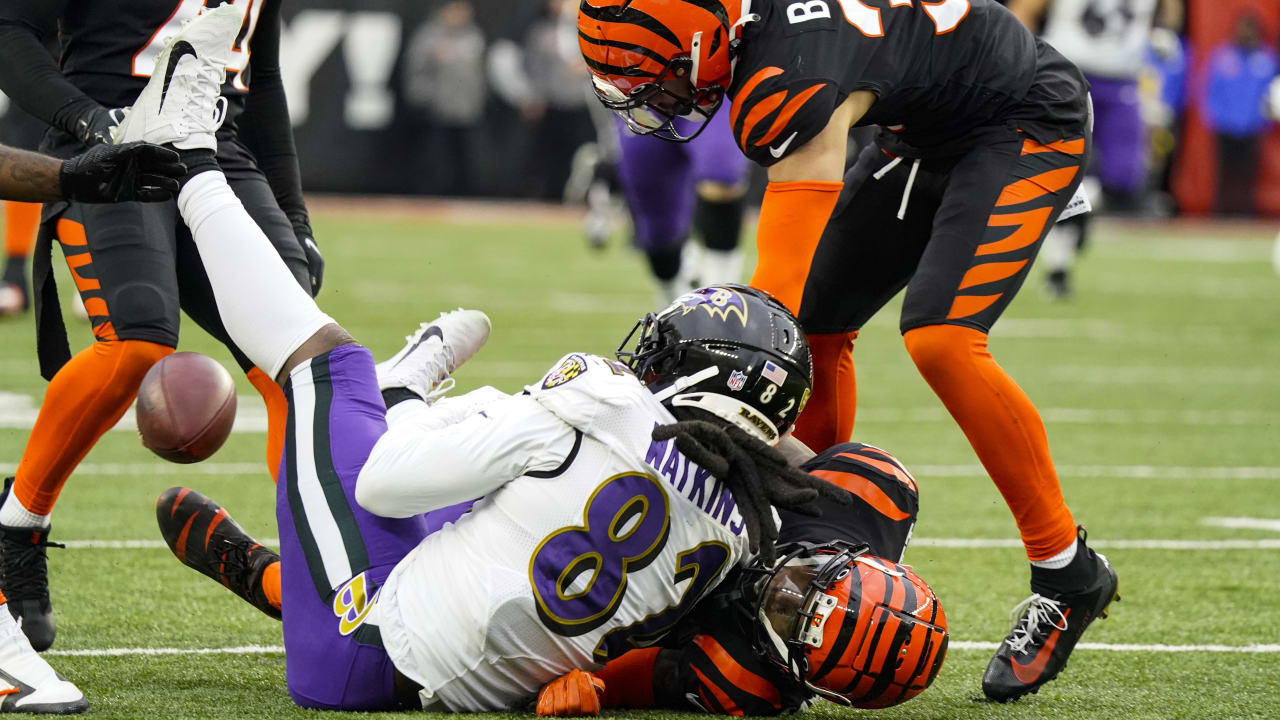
column 315, row 261
column 122, row 173
column 96, row 127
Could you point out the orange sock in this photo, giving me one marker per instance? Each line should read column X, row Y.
column 828, row 417
column 85, row 399
column 277, row 417
column 271, row 584
column 1003, row 427
column 21, row 220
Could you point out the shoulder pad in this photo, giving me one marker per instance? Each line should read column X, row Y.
column 598, row 396
column 775, row 112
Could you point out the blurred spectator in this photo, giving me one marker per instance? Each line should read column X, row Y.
column 544, row 79
column 1239, row 75
column 444, row 80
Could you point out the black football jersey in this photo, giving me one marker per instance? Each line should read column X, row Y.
column 717, row 668
column 109, row 49
column 941, row 72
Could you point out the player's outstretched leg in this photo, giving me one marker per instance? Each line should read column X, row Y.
column 27, row 683
column 1046, row 629
column 205, row 538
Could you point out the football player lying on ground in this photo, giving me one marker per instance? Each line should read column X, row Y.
column 580, row 544
column 877, row 638
column 105, row 174
column 985, row 132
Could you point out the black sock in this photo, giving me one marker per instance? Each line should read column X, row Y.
column 1073, row 578
column 394, row 396
column 665, row 263
column 15, row 271
column 197, row 161
column 719, row 223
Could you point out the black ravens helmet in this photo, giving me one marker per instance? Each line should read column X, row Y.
column 729, row 350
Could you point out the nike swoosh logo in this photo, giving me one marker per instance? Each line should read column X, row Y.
column 780, row 150
column 180, row 49
column 1030, row 672
column 432, row 332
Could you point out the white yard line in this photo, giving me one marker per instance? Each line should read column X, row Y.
column 117, row 652
column 1091, row 416
column 1243, row 523
column 954, row 645
column 1136, row 648
column 1101, row 544
column 1134, row 472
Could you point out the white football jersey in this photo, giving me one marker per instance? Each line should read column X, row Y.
column 1106, row 38
column 600, row 550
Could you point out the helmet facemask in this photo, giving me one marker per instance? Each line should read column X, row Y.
column 793, row 605
column 653, row 109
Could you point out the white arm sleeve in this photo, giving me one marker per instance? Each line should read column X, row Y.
column 430, row 459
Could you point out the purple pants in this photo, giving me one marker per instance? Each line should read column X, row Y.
column 1119, row 135
column 334, row 554
column 659, row 179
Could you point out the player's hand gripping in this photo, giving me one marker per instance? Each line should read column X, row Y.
column 315, row 261
column 576, row 694
column 122, row 173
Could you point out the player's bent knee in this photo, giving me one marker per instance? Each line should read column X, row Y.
column 934, row 348
column 718, row 192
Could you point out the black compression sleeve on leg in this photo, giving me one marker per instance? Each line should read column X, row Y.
column 665, row 262
column 719, row 224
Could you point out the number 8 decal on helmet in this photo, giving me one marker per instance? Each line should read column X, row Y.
column 579, row 574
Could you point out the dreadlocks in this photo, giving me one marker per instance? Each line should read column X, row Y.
column 759, row 477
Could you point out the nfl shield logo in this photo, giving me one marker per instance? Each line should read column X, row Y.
column 737, row 381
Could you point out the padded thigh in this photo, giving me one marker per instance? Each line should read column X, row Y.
column 131, row 248
column 866, row 254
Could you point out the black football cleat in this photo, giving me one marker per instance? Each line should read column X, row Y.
column 205, row 538
column 1044, row 634
column 24, row 578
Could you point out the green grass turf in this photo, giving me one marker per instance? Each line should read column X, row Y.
column 1159, row 382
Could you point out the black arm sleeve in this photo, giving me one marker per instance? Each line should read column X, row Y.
column 30, row 75
column 265, row 127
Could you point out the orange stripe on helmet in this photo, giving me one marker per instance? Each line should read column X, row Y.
column 749, row 87
column 789, row 111
column 864, row 488
column 735, row 673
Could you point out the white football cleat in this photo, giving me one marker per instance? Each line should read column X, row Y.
column 27, row 683
column 434, row 352
column 12, row 300
column 182, row 104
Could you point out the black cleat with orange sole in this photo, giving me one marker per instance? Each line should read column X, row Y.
column 205, row 538
column 1044, row 634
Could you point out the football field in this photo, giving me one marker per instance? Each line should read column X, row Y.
column 1159, row 384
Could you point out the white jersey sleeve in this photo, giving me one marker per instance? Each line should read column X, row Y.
column 432, row 457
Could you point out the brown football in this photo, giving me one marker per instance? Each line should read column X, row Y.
column 186, row 406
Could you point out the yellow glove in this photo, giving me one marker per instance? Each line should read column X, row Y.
column 576, row 694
